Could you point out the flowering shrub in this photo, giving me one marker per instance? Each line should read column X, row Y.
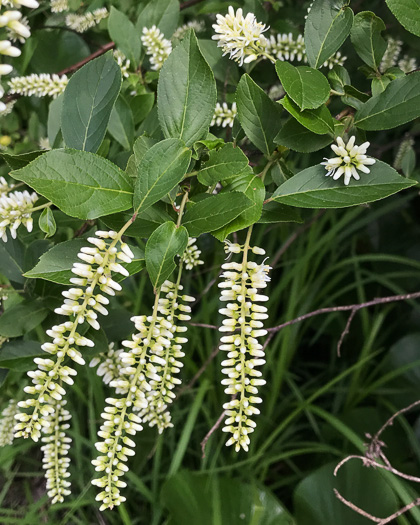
column 131, row 154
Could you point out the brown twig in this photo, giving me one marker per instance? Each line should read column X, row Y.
column 373, row 453
column 210, row 432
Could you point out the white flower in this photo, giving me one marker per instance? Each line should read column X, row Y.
column 350, row 158
column 82, row 23
column 110, row 367
column 20, row 3
column 7, row 423
column 58, row 6
column 123, row 62
column 56, row 447
column 191, row 256
column 244, row 324
column 407, row 64
column 391, row 54
column 241, row 38
column 81, row 304
column 44, row 143
column 285, row 47
column 157, row 46
column 197, row 25
column 223, row 115
column 38, row 85
column 5, row 187
column 16, row 209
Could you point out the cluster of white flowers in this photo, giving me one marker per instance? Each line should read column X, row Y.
column 5, row 187
column 58, row 6
column 350, row 158
column 286, row 47
column 197, row 25
column 39, row 85
column 147, row 379
column 224, row 115
column 407, row 64
column 123, row 62
column 81, row 304
column 276, row 92
column 44, row 143
column 7, row 423
column 17, row 29
column 391, row 54
column 166, row 356
column 82, row 23
column 55, row 449
column 244, row 324
column 157, row 47
column 240, row 37
column 110, row 366
column 15, row 209
column 6, row 109
column 191, row 256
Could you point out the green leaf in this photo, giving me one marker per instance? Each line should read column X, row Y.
column 353, row 97
column 379, row 84
column 398, row 104
column 47, row 222
column 306, row 86
column 200, row 499
column 318, row 120
column 22, row 318
column 16, row 162
column 163, row 245
column 298, row 138
column 121, row 124
column 274, row 212
column 327, row 27
column 258, row 114
column 407, row 12
column 56, row 264
column 141, row 105
column 338, row 78
column 81, row 184
column 88, row 101
column 186, row 93
column 253, row 187
column 364, row 487
column 223, row 164
column 162, row 167
column 19, row 355
column 126, row 37
column 214, row 212
column 312, row 189
column 163, row 14
column 11, row 260
column 366, row 38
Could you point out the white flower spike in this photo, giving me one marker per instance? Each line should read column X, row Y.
column 223, row 115
column 240, row 37
column 42, row 85
column 156, row 45
column 349, row 160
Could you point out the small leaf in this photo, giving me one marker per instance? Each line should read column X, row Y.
column 398, row 104
column 258, row 114
column 88, row 101
column 162, row 167
column 312, row 189
column 298, row 138
column 163, row 245
column 338, row 78
column 47, row 222
column 275, row 212
column 121, row 124
column 22, row 318
column 81, row 184
column 54, row 122
column 125, row 35
column 366, row 38
column 327, row 27
column 223, row 164
column 253, row 187
column 141, row 105
column 186, row 93
column 407, row 12
column 214, row 212
column 304, row 85
column 318, row 120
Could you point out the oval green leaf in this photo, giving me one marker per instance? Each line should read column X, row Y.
column 88, row 101
column 223, row 164
column 186, row 93
column 306, row 86
column 366, row 38
column 81, row 184
column 318, row 120
column 312, row 189
column 407, row 12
